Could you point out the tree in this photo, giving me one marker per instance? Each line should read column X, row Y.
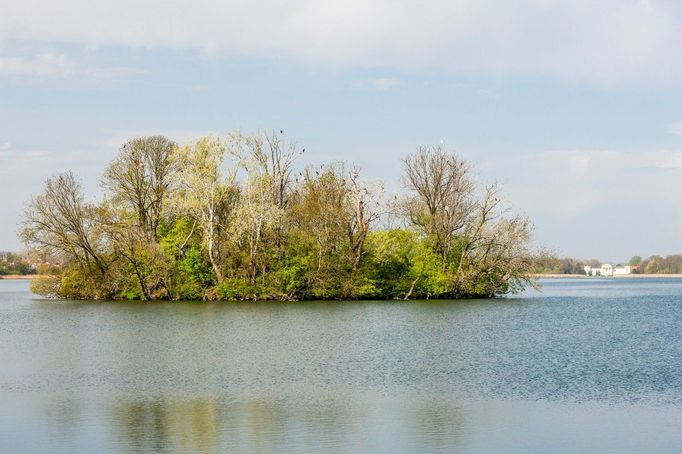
column 59, row 222
column 363, row 199
column 253, row 216
column 272, row 158
column 207, row 194
column 230, row 220
column 140, row 178
column 14, row 264
column 443, row 190
column 482, row 251
column 146, row 259
column 653, row 265
column 268, row 163
column 322, row 216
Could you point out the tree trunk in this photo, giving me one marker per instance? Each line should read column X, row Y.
column 216, row 268
column 409, row 293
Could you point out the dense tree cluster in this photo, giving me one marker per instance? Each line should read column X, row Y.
column 556, row 265
column 236, row 219
column 656, row 264
column 11, row 263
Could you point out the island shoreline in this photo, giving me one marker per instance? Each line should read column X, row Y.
column 619, row 276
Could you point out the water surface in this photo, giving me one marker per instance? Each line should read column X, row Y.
column 585, row 365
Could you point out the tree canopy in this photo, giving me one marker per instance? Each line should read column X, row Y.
column 238, row 219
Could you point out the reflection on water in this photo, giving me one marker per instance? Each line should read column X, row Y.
column 256, row 426
column 206, row 425
column 587, row 365
column 160, row 426
column 374, row 424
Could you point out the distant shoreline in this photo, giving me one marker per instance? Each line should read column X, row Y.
column 620, row 276
column 19, row 276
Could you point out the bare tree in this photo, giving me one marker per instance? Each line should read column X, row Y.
column 269, row 159
column 273, row 157
column 479, row 230
column 140, row 178
column 484, row 252
column 59, row 222
column 254, row 214
column 443, row 201
column 364, row 202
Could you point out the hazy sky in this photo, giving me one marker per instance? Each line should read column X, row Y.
column 576, row 106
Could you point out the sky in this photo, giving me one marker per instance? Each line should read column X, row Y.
column 574, row 106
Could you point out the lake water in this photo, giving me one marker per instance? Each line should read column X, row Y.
column 583, row 366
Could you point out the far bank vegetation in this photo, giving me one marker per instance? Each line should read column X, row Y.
column 655, row 264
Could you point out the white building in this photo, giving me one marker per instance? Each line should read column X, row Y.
column 622, row 270
column 608, row 270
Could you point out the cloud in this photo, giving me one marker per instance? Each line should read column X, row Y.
column 599, row 203
column 114, row 72
column 48, row 65
column 676, row 129
column 5, row 149
column 585, row 162
column 42, row 65
column 603, row 42
column 570, row 184
column 382, row 84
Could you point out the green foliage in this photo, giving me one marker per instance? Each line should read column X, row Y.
column 635, row 260
column 656, row 264
column 426, row 270
column 554, row 265
column 292, row 276
column 238, row 288
column 177, row 223
column 360, row 286
column 192, row 276
column 47, row 286
column 82, row 283
column 14, row 264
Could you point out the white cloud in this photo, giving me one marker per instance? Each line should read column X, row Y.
column 61, row 66
column 604, row 41
column 570, row 184
column 386, row 84
column 42, row 65
column 5, row 149
column 676, row 129
column 382, row 84
column 599, row 203
column 113, row 72
column 584, row 162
